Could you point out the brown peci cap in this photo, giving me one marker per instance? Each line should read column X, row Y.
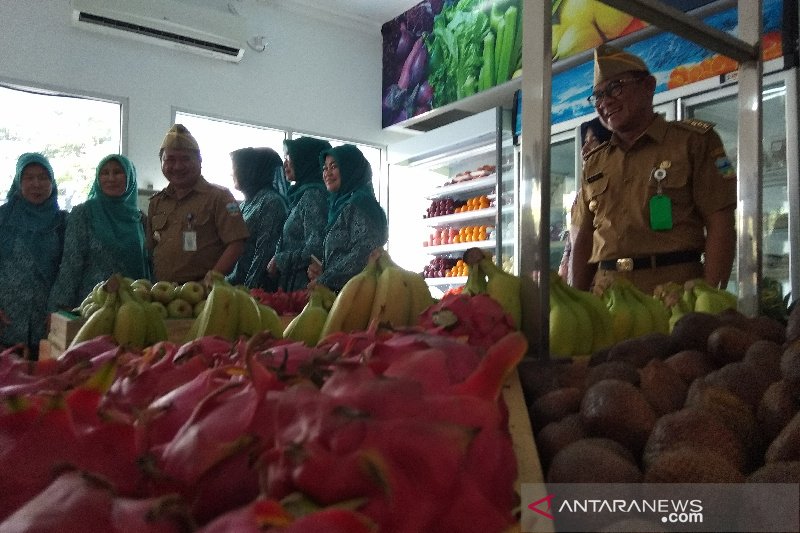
column 610, row 62
column 179, row 137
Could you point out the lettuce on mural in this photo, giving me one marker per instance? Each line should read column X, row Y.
column 441, row 51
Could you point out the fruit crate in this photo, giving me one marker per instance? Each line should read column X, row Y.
column 529, row 468
column 64, row 326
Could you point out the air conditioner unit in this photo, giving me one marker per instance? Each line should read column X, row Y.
column 166, row 23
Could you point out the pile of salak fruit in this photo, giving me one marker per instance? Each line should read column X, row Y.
column 378, row 430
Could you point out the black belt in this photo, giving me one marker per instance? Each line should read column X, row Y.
column 626, row 264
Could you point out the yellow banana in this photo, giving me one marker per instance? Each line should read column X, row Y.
column 420, row 296
column 352, row 307
column 563, row 330
column 90, row 308
column 249, row 316
column 270, row 320
column 504, row 288
column 584, row 329
column 130, row 323
column 307, row 325
column 100, row 323
column 392, row 298
column 220, row 316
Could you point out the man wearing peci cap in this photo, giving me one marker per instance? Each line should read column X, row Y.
column 657, row 200
column 193, row 226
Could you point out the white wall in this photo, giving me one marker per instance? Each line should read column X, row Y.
column 316, row 76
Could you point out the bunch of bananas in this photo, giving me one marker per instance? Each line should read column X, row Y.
column 580, row 322
column 308, row 324
column 231, row 311
column 132, row 321
column 382, row 292
column 485, row 277
column 633, row 312
column 694, row 295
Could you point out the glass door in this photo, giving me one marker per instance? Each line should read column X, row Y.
column 720, row 108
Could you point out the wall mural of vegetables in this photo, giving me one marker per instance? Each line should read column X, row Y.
column 441, row 51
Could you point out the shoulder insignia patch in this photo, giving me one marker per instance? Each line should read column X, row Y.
column 694, row 124
column 232, row 208
column 725, row 168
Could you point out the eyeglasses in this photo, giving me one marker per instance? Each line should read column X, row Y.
column 613, row 89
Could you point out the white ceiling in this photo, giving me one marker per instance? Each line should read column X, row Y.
column 375, row 12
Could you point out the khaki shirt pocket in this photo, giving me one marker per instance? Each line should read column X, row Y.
column 595, row 190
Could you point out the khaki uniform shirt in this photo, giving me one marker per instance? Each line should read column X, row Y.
column 617, row 186
column 210, row 211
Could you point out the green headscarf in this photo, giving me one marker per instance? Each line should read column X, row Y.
column 117, row 221
column 304, row 153
column 257, row 169
column 24, row 220
column 356, row 186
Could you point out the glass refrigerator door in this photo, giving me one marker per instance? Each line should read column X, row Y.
column 562, row 195
column 722, row 111
column 451, row 189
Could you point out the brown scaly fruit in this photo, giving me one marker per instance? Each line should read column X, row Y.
column 608, row 464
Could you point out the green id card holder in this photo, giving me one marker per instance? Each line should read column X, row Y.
column 660, row 213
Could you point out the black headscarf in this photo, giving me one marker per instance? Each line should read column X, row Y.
column 257, row 169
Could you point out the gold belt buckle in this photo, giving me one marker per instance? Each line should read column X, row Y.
column 625, row 264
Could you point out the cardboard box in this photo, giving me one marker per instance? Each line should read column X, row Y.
column 63, row 327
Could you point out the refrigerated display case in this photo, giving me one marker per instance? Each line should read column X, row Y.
column 452, row 188
column 719, row 107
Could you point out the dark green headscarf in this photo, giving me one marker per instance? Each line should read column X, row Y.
column 24, row 219
column 257, row 169
column 117, row 221
column 304, row 153
column 356, row 186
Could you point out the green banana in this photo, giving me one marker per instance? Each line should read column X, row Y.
column 642, row 322
column 563, row 330
column 602, row 334
column 584, row 330
column 708, row 299
column 249, row 322
column 621, row 317
column 476, row 280
column 156, row 328
column 130, row 323
column 658, row 312
column 100, row 323
column 270, row 321
column 504, row 288
column 307, row 325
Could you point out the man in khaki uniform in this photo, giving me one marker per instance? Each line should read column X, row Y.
column 192, row 226
column 657, row 200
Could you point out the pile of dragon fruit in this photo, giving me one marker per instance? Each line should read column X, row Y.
column 391, row 431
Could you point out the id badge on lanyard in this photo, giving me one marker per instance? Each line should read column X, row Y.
column 189, row 236
column 660, row 204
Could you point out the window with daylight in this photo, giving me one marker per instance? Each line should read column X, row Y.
column 74, row 132
column 218, row 138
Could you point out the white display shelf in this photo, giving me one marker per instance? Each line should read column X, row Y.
column 452, row 280
column 460, row 247
column 465, row 216
column 463, row 187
